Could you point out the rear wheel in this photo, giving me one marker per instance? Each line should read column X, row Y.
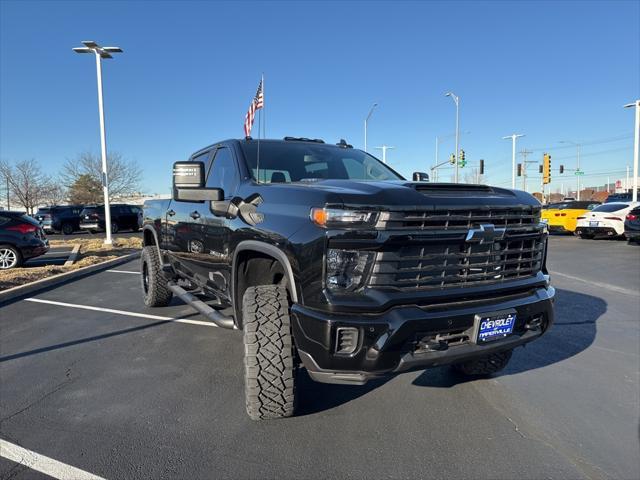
column 486, row 365
column 114, row 227
column 269, row 353
column 9, row 257
column 155, row 290
column 67, row 228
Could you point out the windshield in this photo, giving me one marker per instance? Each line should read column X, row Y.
column 284, row 162
column 610, row 207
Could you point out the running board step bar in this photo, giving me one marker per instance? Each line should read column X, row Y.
column 212, row 314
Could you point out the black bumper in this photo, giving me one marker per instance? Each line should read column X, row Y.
column 394, row 341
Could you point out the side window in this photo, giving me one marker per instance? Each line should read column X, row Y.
column 223, row 173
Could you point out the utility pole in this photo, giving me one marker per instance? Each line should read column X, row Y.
column 100, row 53
column 366, row 120
column 456, row 100
column 524, row 154
column 626, row 182
column 384, row 149
column 636, row 147
column 578, row 147
column 435, row 170
column 513, row 138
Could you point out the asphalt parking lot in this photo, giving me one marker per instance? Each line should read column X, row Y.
column 93, row 380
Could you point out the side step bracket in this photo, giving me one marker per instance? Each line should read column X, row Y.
column 212, row 314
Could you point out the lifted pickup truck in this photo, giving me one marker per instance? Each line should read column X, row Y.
column 328, row 259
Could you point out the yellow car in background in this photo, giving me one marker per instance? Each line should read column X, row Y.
column 563, row 217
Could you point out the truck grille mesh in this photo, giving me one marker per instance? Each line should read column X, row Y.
column 439, row 257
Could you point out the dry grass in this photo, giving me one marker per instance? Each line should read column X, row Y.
column 92, row 251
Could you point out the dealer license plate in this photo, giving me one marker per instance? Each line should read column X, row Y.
column 494, row 326
column 593, row 224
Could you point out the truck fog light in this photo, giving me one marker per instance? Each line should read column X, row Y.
column 346, row 340
column 347, row 269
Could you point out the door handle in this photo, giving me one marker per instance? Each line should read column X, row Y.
column 171, row 213
column 195, row 215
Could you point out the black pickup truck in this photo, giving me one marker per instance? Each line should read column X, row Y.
column 328, row 259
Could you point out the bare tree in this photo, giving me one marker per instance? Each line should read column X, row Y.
column 124, row 175
column 28, row 184
column 56, row 193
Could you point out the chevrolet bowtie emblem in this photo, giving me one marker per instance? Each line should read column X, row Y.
column 485, row 233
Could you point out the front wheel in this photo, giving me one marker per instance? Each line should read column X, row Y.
column 486, row 365
column 114, row 227
column 155, row 290
column 67, row 228
column 269, row 353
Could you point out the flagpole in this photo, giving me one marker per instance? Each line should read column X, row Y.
column 264, row 105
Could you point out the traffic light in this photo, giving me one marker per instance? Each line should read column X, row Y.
column 452, row 159
column 463, row 162
column 539, row 168
column 561, row 169
column 481, row 167
column 519, row 169
column 546, row 168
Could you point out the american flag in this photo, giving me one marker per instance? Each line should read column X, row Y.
column 256, row 104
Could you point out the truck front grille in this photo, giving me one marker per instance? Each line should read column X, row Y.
column 439, row 257
column 515, row 219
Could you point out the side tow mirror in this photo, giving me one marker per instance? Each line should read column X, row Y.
column 420, row 177
column 189, row 184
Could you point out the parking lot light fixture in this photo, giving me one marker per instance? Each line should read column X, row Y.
column 513, row 138
column 456, row 100
column 100, row 53
column 366, row 120
column 636, row 146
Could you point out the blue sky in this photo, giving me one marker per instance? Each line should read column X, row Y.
column 551, row 70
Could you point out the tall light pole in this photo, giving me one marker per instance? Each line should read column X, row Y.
column 366, row 120
column 578, row 147
column 100, row 53
column 513, row 138
column 456, row 100
column 384, row 149
column 634, row 194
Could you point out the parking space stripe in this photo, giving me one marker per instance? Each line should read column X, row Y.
column 43, row 464
column 606, row 286
column 123, row 271
column 121, row 312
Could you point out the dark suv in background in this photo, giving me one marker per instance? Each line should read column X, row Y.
column 123, row 217
column 21, row 238
column 632, row 226
column 59, row 218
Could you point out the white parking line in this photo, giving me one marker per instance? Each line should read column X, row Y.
column 123, row 271
column 606, row 286
column 43, row 464
column 121, row 312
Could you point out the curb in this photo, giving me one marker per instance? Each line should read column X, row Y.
column 14, row 293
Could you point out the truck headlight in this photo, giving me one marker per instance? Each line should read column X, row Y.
column 339, row 218
column 347, row 269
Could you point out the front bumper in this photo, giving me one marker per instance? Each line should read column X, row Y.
column 393, row 341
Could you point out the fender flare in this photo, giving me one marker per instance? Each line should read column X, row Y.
column 267, row 249
column 155, row 237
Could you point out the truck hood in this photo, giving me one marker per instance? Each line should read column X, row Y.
column 405, row 194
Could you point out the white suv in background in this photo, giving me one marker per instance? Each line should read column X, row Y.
column 606, row 219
